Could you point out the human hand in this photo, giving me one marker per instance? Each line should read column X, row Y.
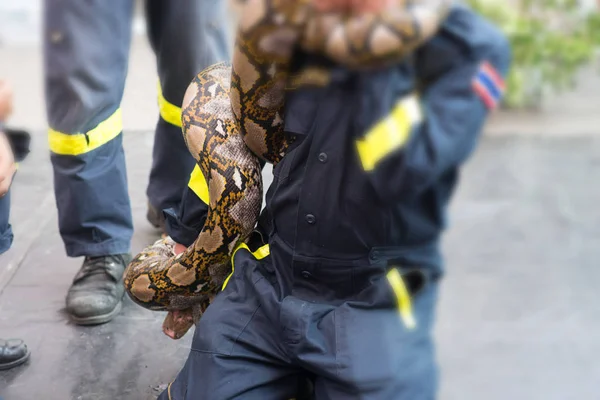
column 7, row 164
column 6, row 100
column 179, row 248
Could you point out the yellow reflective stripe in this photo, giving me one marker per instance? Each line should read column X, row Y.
column 198, row 185
column 262, row 252
column 168, row 111
column 241, row 246
column 81, row 143
column 402, row 297
column 389, row 134
column 259, row 254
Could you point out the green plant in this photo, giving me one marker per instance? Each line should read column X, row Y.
column 551, row 40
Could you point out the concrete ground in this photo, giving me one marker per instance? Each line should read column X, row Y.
column 519, row 309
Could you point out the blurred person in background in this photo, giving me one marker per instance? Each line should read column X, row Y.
column 14, row 146
column 86, row 49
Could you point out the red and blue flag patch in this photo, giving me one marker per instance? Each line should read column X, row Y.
column 489, row 85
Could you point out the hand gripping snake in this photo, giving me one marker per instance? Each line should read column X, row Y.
column 233, row 116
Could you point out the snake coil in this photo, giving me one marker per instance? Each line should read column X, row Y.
column 233, row 117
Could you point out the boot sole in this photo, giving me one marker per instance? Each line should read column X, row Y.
column 98, row 319
column 15, row 363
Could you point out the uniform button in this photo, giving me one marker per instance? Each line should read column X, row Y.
column 310, row 219
column 323, row 157
column 56, row 37
column 306, row 274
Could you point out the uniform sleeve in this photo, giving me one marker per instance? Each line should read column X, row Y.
column 184, row 225
column 464, row 73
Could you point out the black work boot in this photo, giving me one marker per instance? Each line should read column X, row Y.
column 13, row 352
column 97, row 290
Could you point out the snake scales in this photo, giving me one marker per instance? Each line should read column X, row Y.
column 232, row 117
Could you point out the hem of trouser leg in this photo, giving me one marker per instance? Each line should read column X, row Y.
column 6, row 240
column 99, row 249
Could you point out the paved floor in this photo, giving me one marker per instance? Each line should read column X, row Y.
column 520, row 310
column 518, row 315
column 122, row 360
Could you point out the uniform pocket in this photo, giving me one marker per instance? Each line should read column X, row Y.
column 405, row 285
column 233, row 309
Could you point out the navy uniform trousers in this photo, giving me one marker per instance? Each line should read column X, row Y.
column 346, row 288
column 19, row 142
column 86, row 49
column 339, row 322
column 6, row 233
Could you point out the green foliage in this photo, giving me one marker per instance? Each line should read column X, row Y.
column 551, row 40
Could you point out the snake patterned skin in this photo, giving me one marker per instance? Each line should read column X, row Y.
column 232, row 118
column 269, row 32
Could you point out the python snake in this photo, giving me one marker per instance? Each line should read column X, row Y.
column 232, row 116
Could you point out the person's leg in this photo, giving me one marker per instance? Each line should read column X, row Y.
column 186, row 36
column 86, row 47
column 13, row 352
column 6, row 233
column 378, row 352
column 236, row 352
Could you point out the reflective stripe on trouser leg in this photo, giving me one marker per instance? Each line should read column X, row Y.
column 94, row 211
column 86, row 48
column 187, row 36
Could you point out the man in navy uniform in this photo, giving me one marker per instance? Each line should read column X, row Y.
column 86, row 57
column 346, row 286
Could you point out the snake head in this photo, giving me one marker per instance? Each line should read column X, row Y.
column 178, row 322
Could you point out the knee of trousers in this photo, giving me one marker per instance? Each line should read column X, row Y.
column 72, row 140
column 204, row 42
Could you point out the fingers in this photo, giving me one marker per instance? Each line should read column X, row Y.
column 179, row 248
column 177, row 323
column 7, row 164
column 6, row 100
column 6, row 179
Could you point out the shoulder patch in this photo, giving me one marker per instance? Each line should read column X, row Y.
column 489, row 85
